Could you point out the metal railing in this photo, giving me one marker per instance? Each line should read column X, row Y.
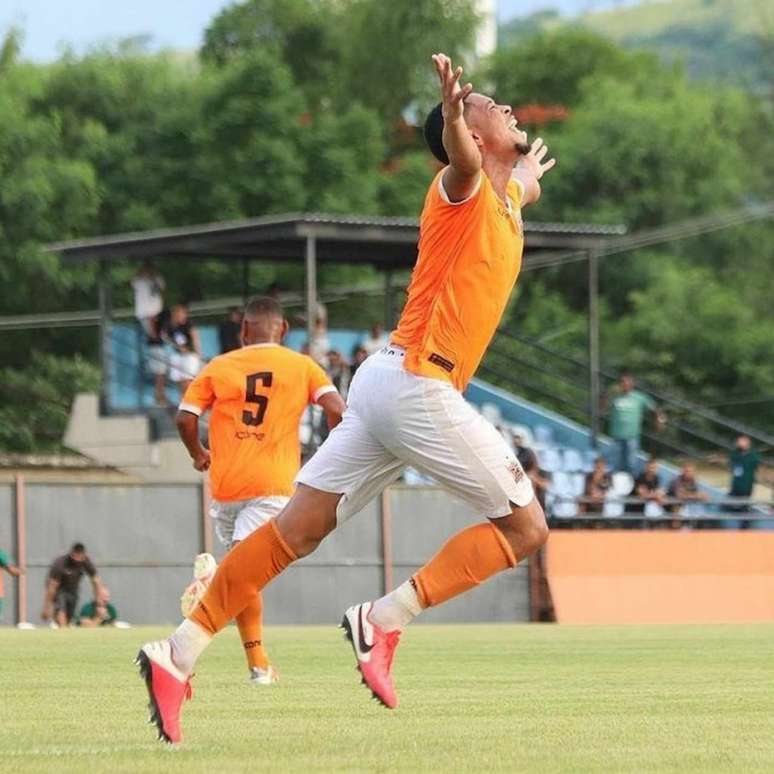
column 560, row 380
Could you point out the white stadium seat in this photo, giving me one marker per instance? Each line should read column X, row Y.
column 544, row 434
column 550, row 460
column 653, row 510
column 491, row 413
column 612, row 509
column 573, row 461
column 623, row 483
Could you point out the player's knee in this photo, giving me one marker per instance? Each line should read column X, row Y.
column 525, row 529
column 307, row 519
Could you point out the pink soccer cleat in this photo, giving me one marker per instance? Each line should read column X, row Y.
column 167, row 687
column 374, row 650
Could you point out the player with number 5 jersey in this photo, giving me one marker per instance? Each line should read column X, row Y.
column 256, row 396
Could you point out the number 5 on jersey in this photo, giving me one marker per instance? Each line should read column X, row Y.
column 264, row 378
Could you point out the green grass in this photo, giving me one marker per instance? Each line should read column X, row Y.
column 473, row 698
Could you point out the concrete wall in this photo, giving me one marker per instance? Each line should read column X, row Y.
column 143, row 538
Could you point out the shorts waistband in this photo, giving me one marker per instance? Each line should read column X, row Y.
column 390, row 355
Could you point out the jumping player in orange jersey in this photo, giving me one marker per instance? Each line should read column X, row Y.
column 256, row 396
column 405, row 408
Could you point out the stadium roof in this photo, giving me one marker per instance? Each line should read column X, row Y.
column 383, row 242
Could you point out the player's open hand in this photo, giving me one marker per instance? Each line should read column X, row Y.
column 202, row 461
column 452, row 94
column 533, row 161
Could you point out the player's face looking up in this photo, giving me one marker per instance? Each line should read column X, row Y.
column 494, row 127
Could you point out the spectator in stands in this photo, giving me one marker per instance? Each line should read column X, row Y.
column 98, row 612
column 60, row 602
column 230, row 330
column 11, row 569
column 529, row 462
column 685, row 488
column 148, row 286
column 626, row 409
column 375, row 340
column 744, row 464
column 186, row 358
column 156, row 359
column 597, row 485
column 647, row 487
column 338, row 370
column 358, row 358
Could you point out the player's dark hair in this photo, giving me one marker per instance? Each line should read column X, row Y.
column 78, row 548
column 433, row 133
column 259, row 306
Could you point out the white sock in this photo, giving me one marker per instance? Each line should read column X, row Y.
column 188, row 643
column 396, row 609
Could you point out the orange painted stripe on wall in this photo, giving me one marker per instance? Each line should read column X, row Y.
column 623, row 576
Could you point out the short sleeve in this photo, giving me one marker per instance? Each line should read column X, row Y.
column 648, row 402
column 319, row 382
column 200, row 394
column 515, row 191
column 444, row 197
column 3, row 559
column 88, row 565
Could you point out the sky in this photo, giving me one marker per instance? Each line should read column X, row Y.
column 48, row 25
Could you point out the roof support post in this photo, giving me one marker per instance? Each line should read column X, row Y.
column 105, row 294
column 311, row 287
column 593, row 333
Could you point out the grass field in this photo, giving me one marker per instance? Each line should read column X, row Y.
column 473, row 698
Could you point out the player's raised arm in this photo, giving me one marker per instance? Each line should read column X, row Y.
column 461, row 176
column 530, row 168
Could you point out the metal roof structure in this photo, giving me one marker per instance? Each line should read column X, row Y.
column 387, row 243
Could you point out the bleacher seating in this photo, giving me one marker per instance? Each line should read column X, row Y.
column 563, row 447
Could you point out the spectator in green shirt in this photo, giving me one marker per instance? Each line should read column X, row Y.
column 626, row 411
column 744, row 465
column 11, row 569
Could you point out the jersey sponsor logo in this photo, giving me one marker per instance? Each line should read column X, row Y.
column 244, row 434
column 515, row 469
column 438, row 360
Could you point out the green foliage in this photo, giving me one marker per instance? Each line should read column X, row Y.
column 721, row 40
column 35, row 400
column 551, row 67
column 302, row 105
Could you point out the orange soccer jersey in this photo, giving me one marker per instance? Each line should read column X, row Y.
column 469, row 259
column 257, row 395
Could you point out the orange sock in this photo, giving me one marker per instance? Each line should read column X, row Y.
column 250, row 623
column 246, row 569
column 466, row 560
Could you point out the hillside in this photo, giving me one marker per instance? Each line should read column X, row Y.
column 727, row 40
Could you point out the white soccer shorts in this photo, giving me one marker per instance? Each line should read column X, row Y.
column 237, row 519
column 394, row 419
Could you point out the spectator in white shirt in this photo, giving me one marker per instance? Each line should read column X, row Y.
column 148, row 286
column 375, row 340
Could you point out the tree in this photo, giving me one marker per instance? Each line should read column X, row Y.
column 551, row 67
column 35, row 401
